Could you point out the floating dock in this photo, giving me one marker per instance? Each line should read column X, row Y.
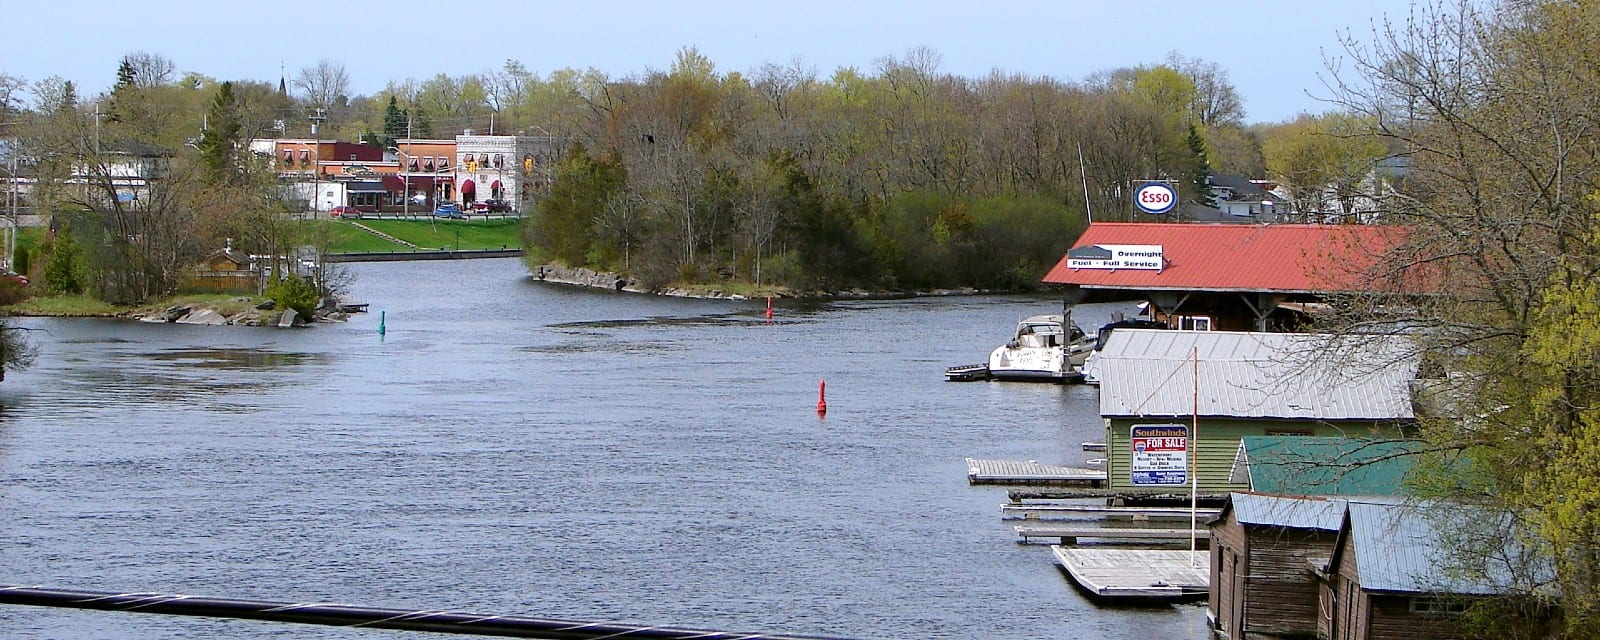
column 1145, row 574
column 1084, row 511
column 967, row 373
column 1029, row 472
column 1070, row 534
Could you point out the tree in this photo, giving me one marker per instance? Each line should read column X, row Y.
column 220, row 144
column 326, row 87
column 1495, row 117
column 1328, row 163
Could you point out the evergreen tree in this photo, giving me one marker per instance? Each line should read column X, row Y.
column 1198, row 169
column 394, row 122
column 220, row 142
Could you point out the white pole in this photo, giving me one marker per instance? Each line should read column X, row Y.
column 1194, row 462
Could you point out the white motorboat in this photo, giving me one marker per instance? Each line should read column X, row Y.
column 1041, row 350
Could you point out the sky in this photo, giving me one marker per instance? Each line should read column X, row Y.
column 1276, row 54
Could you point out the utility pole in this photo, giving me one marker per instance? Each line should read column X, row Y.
column 405, row 175
column 316, row 162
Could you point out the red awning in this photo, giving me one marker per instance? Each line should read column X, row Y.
column 467, row 186
column 494, row 186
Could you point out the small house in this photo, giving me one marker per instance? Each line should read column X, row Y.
column 226, row 270
column 1397, row 570
column 1177, row 404
column 1264, row 549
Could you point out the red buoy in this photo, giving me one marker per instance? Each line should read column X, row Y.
column 769, row 309
column 822, row 398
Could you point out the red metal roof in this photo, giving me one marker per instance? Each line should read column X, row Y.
column 1240, row 257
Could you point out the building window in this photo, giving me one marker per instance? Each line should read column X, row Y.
column 499, row 160
column 427, row 163
column 483, row 159
column 412, row 164
column 1194, row 323
column 305, row 157
column 1438, row 605
column 288, row 157
column 444, row 163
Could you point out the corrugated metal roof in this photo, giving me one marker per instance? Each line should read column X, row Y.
column 1423, row 548
column 1149, row 372
column 1232, row 257
column 1305, row 465
column 1288, row 511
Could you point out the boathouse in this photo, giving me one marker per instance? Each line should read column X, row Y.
column 1397, row 571
column 1312, row 466
column 1229, row 277
column 1264, row 549
column 1177, row 403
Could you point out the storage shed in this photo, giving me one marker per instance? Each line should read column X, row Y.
column 1264, row 552
column 1180, row 402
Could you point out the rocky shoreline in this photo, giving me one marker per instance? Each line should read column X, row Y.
column 580, row 277
column 260, row 315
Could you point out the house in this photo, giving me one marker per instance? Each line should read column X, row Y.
column 1397, row 570
column 1180, row 402
column 1312, row 466
column 1264, row 549
column 508, row 169
column 1251, row 200
column 1233, row 277
column 225, row 270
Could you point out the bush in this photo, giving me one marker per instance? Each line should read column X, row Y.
column 294, row 293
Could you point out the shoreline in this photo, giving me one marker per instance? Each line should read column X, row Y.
column 589, row 278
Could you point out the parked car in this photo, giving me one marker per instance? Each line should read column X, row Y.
column 13, row 276
column 448, row 210
column 346, row 211
column 497, row 206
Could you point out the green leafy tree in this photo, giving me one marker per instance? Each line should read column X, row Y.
column 64, row 269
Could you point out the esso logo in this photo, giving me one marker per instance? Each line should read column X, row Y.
column 1155, row 198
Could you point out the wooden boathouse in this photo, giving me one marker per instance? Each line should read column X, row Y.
column 1264, row 550
column 1181, row 402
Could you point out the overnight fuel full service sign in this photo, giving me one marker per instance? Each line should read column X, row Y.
column 1160, row 454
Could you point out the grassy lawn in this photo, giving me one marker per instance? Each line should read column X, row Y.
column 429, row 234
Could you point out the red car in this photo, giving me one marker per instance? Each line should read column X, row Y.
column 345, row 211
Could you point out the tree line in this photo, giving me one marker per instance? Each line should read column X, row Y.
column 898, row 177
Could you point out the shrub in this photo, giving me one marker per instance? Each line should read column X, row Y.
column 294, row 293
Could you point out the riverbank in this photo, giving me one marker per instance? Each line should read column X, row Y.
column 205, row 309
column 580, row 277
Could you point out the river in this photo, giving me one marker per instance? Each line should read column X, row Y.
column 515, row 447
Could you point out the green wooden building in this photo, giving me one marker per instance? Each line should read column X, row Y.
column 1177, row 404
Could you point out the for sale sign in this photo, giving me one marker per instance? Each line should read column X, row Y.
column 1160, row 454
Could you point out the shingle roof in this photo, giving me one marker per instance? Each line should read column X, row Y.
column 1302, row 258
column 1148, row 372
column 1305, row 465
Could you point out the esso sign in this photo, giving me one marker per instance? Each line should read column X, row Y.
column 1155, row 198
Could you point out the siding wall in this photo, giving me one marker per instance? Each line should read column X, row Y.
column 1390, row 617
column 1280, row 588
column 1218, row 444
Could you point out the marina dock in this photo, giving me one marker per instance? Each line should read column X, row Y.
column 1029, row 472
column 1069, row 534
column 1137, row 573
column 1085, row 511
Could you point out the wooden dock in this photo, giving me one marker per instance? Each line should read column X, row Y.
column 1070, row 534
column 1085, row 511
column 1029, row 472
column 1146, row 574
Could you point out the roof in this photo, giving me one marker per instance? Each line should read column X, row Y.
column 1424, row 547
column 1305, row 465
column 1151, row 372
column 1290, row 258
column 1294, row 512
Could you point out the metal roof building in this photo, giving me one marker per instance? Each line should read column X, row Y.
column 1304, row 465
column 1152, row 372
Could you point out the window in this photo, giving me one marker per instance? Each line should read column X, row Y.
column 288, row 157
column 305, row 157
column 412, row 165
column 1194, row 323
column 427, row 163
column 483, row 159
column 1438, row 605
column 499, row 160
column 444, row 163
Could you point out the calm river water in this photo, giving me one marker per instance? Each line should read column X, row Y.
column 521, row 448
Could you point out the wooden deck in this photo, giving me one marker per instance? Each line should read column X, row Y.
column 1084, row 511
column 1137, row 573
column 1069, row 534
column 980, row 471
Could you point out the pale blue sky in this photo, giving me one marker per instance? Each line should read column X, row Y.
column 1274, row 52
